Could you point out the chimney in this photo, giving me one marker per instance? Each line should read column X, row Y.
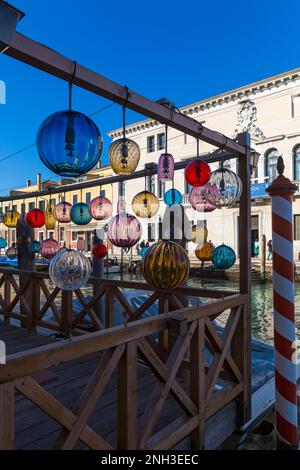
column 39, row 181
column 28, row 183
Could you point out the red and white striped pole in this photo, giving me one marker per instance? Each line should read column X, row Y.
column 281, row 191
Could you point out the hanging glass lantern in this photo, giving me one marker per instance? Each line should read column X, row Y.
column 69, row 143
column 198, row 201
column 204, row 251
column 69, row 270
column 49, row 248
column 34, row 246
column 62, row 212
column 80, row 214
column 99, row 251
column 225, row 188
column 199, row 233
column 144, row 250
column 100, row 208
column 11, row 252
column 124, row 230
column 197, row 173
column 35, row 218
column 165, row 265
column 11, row 218
column 3, row 243
column 173, row 197
column 145, row 204
column 165, row 168
column 223, row 257
column 124, row 155
column 50, row 220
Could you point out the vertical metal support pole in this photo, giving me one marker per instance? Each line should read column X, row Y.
column 98, row 272
column 281, row 191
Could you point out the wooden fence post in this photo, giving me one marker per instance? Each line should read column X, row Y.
column 35, row 303
column 127, row 398
column 7, row 296
column 7, row 416
column 66, row 312
column 197, row 382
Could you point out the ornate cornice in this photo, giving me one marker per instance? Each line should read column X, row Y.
column 217, row 100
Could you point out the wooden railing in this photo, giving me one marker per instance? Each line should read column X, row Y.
column 192, row 333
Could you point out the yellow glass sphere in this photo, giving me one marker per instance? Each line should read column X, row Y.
column 124, row 155
column 50, row 220
column 11, row 218
column 204, row 251
column 199, row 233
column 165, row 265
column 145, row 204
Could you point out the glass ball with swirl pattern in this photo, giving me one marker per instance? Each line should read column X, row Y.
column 223, row 257
column 225, row 188
column 69, row 270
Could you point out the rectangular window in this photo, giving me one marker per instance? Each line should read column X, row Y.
column 51, row 234
column 296, row 106
column 297, row 227
column 53, row 202
column 161, row 189
column 6, row 235
column 150, row 144
column 75, row 199
column 15, row 207
column 23, row 208
column 6, row 209
column 30, row 206
column 42, row 205
column 13, row 236
column 151, row 232
column 74, row 236
column 41, row 237
column 88, row 198
column 161, row 141
column 62, row 234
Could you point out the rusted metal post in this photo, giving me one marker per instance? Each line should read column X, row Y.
column 281, row 191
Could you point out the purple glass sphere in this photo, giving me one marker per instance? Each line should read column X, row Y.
column 165, row 168
column 124, row 230
column 62, row 212
column 198, row 200
column 49, row 248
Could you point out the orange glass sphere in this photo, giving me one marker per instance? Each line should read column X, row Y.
column 199, row 233
column 11, row 218
column 204, row 251
column 165, row 265
column 145, row 204
column 124, row 155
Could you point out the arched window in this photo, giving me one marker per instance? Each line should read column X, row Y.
column 296, row 162
column 271, row 157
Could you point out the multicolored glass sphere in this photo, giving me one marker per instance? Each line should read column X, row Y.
column 49, row 248
column 62, row 212
column 35, row 218
column 69, row 270
column 69, row 143
column 11, row 252
column 165, row 265
column 124, row 230
column 3, row 243
column 223, row 257
column 225, row 188
column 100, row 208
column 11, row 218
column 99, row 251
column 165, row 167
column 204, row 251
column 199, row 233
column 197, row 173
column 50, row 220
column 80, row 214
column 198, row 201
column 124, row 155
column 34, row 246
column 145, row 204
column 173, row 197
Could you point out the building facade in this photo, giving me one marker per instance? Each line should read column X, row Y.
column 270, row 111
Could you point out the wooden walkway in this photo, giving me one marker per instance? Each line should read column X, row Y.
column 66, row 382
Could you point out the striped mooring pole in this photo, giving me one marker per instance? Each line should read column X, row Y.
column 281, row 191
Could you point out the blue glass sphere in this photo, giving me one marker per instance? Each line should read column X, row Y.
column 144, row 250
column 69, row 143
column 223, row 257
column 3, row 243
column 80, row 214
column 173, row 196
column 34, row 246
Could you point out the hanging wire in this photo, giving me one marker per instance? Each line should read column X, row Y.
column 71, row 85
column 166, row 138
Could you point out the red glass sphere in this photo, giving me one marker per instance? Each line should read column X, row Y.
column 35, row 218
column 197, row 173
column 99, row 251
column 49, row 248
column 100, row 208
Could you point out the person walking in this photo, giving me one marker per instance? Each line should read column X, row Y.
column 270, row 249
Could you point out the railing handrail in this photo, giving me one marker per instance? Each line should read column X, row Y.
column 34, row 360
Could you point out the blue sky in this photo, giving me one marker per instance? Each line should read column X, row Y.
column 185, row 51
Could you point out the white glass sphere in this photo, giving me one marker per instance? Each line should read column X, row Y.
column 69, row 269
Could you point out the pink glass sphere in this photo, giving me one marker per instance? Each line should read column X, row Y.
column 62, row 212
column 100, row 208
column 124, row 230
column 49, row 248
column 198, row 200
